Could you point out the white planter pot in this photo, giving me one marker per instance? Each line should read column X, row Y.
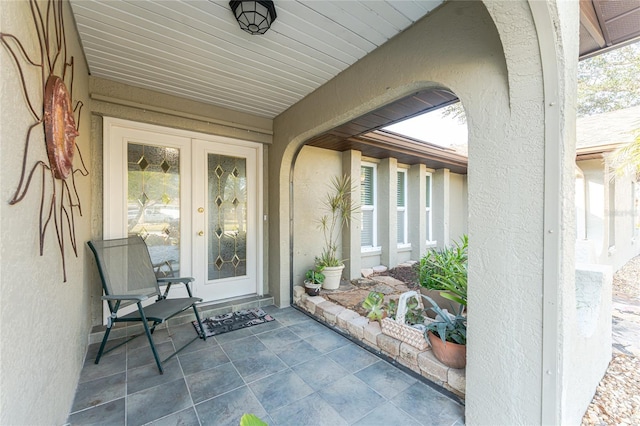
column 332, row 275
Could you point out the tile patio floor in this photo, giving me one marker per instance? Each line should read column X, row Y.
column 292, row 371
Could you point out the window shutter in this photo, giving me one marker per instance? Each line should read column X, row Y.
column 366, row 237
column 401, row 190
column 366, row 193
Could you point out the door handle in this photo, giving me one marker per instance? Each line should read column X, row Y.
column 201, row 233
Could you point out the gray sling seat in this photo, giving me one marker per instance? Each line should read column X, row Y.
column 128, row 278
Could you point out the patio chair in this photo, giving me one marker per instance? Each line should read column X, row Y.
column 128, row 278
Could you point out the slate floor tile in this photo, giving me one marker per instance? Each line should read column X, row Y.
column 303, row 372
column 307, row 328
column 387, row 414
column 351, row 398
column 386, row 379
column 279, row 390
column 434, row 407
column 204, row 359
column 186, row 417
column 327, row 341
column 111, row 413
column 213, row 382
column 259, row 365
column 157, row 402
column 353, row 358
column 99, row 391
column 227, row 409
column 320, row 372
column 311, row 410
column 238, row 349
column 277, row 338
column 297, row 353
column 148, row 376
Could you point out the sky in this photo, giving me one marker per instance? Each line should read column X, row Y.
column 433, row 127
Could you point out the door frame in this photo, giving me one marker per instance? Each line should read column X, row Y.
column 114, row 190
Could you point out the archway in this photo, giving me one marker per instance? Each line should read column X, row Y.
column 495, row 67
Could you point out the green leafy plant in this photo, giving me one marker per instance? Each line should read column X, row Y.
column 448, row 327
column 446, row 270
column 339, row 211
column 315, row 275
column 251, row 420
column 374, row 304
column 415, row 313
column 392, row 308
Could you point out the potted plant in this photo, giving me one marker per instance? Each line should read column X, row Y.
column 443, row 273
column 313, row 280
column 338, row 212
column 374, row 305
column 447, row 336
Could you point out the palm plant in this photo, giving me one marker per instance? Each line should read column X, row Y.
column 339, row 211
column 627, row 158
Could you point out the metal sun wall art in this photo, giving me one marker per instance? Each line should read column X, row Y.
column 59, row 200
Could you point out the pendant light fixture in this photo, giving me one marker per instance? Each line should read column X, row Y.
column 255, row 17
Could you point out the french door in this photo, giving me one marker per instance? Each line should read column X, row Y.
column 196, row 200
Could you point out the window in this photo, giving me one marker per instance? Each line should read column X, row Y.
column 368, row 205
column 635, row 200
column 612, row 215
column 402, row 207
column 428, row 208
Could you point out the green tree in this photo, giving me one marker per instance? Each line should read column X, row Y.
column 609, row 81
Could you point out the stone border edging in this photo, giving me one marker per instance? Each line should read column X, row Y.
column 370, row 334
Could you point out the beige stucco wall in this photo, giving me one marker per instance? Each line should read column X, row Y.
column 44, row 322
column 311, row 181
column 458, row 210
column 520, row 145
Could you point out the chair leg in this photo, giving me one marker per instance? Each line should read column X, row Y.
column 148, row 332
column 104, row 342
column 203, row 334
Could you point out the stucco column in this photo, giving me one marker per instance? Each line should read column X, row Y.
column 351, row 236
column 417, row 214
column 387, row 208
column 440, row 206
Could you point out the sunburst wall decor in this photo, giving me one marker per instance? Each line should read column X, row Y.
column 59, row 200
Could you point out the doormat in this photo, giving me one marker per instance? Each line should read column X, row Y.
column 224, row 323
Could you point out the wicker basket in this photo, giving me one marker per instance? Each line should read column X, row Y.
column 398, row 329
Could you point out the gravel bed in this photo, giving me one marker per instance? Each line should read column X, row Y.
column 617, row 398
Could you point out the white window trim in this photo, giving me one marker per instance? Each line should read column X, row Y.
column 374, row 247
column 429, row 211
column 402, row 210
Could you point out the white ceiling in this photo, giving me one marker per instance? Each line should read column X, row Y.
column 196, row 50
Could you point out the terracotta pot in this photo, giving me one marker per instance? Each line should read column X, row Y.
column 312, row 289
column 450, row 354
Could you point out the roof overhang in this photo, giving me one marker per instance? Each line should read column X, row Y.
column 605, row 24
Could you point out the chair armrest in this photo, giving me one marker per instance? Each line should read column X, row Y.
column 136, row 297
column 176, row 280
column 171, row 280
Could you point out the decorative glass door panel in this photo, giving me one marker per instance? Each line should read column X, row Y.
column 225, row 220
column 153, row 203
column 227, row 207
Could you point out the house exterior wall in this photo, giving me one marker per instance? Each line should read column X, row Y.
column 521, row 56
column 44, row 321
column 314, row 169
column 601, row 187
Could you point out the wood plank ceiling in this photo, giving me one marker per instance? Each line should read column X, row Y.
column 196, row 50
